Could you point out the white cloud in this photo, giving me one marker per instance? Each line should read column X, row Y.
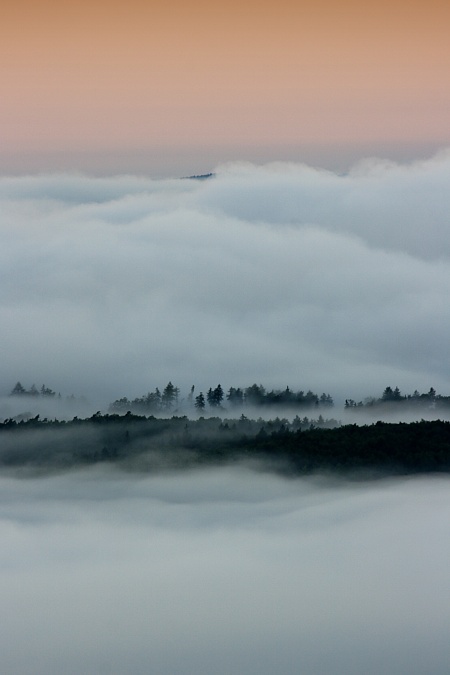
column 279, row 274
column 222, row 571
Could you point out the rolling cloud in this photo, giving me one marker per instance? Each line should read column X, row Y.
column 279, row 274
column 223, row 571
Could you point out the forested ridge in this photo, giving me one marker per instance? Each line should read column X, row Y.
column 297, row 447
column 170, row 400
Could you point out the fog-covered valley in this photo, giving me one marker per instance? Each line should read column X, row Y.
column 223, row 571
column 252, row 539
column 282, row 274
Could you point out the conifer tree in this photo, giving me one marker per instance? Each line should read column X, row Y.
column 200, row 402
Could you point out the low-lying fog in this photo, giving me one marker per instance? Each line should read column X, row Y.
column 280, row 274
column 223, row 572
column 28, row 407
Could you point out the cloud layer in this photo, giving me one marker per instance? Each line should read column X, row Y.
column 225, row 572
column 280, row 274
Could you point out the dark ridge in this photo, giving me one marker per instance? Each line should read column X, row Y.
column 293, row 448
column 202, row 176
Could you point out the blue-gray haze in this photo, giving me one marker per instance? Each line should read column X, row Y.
column 279, row 274
column 231, row 572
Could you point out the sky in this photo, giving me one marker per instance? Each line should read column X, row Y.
column 169, row 88
column 280, row 274
column 223, row 571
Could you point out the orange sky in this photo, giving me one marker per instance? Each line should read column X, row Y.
column 136, row 77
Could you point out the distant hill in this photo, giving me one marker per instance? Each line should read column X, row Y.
column 151, row 444
column 202, row 176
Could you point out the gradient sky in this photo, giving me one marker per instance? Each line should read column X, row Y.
column 156, row 85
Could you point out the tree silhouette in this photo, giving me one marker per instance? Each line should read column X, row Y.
column 215, row 396
column 235, row 397
column 200, row 402
column 169, row 395
column 18, row 390
column 255, row 394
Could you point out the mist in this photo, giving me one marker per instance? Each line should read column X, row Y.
column 223, row 571
column 281, row 274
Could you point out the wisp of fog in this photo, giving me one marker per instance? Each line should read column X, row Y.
column 223, row 571
column 281, row 274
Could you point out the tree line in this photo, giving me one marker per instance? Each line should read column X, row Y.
column 33, row 391
column 152, row 444
column 168, row 399
column 393, row 398
column 43, row 392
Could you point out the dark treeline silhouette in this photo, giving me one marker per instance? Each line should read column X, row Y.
column 19, row 390
column 297, row 447
column 256, row 395
column 153, row 402
column 43, row 393
column 237, row 400
column 393, row 399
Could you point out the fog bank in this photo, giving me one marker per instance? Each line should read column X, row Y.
column 223, row 571
column 281, row 275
